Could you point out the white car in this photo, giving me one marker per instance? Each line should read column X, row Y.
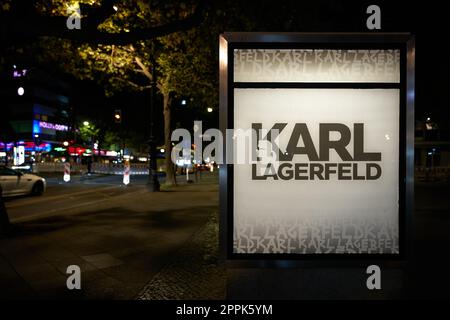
column 15, row 183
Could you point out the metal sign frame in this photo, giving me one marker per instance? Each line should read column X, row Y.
column 405, row 42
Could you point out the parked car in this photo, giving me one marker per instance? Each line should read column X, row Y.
column 15, row 183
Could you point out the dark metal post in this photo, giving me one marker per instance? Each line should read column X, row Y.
column 153, row 182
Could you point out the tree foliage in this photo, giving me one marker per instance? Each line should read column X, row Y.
column 185, row 63
column 89, row 133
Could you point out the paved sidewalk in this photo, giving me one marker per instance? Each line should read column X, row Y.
column 194, row 272
column 120, row 245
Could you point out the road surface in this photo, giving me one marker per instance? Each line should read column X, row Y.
column 81, row 192
column 120, row 237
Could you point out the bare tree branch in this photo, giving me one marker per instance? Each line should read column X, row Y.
column 144, row 69
column 131, row 84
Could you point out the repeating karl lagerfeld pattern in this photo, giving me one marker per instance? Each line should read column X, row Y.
column 316, row 65
column 316, row 235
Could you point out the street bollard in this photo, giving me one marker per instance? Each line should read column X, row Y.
column 126, row 174
column 66, row 177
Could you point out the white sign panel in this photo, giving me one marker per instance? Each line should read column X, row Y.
column 336, row 190
column 19, row 155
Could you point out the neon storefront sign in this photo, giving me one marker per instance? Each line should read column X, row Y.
column 53, row 126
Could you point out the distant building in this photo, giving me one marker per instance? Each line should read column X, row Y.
column 36, row 112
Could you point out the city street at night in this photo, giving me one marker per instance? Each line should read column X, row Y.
column 222, row 159
column 121, row 237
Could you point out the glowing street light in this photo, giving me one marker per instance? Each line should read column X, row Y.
column 115, row 8
column 86, row 123
column 118, row 116
column 210, row 109
column 20, row 91
column 65, row 143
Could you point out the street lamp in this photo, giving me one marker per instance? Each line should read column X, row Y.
column 210, row 109
column 118, row 116
column 86, row 123
column 20, row 91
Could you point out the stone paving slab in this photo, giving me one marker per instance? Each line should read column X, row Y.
column 193, row 273
column 102, row 260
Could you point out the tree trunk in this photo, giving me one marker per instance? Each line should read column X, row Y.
column 170, row 175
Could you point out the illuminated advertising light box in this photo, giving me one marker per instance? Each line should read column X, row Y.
column 331, row 175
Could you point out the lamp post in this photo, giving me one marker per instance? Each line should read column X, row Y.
column 153, row 182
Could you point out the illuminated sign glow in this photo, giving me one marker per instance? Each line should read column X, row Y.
column 20, row 73
column 111, row 153
column 19, row 155
column 30, row 146
column 325, row 162
column 52, row 126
